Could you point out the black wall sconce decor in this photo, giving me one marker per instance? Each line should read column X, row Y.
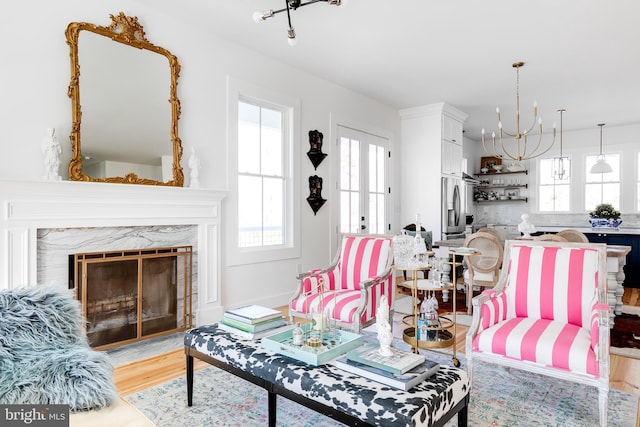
column 315, row 153
column 315, row 199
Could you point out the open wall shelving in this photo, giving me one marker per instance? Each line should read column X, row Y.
column 498, row 189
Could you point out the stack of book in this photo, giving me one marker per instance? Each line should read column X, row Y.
column 403, row 370
column 253, row 322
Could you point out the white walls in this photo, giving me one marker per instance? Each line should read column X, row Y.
column 35, row 77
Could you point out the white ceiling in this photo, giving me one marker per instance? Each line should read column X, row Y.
column 581, row 55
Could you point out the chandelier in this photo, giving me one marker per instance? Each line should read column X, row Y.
column 520, row 148
column 290, row 5
column 561, row 164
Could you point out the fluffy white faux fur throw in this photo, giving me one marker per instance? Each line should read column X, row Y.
column 44, row 354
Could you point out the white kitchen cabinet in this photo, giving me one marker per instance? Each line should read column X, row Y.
column 451, row 140
column 452, row 129
column 427, row 152
column 451, row 162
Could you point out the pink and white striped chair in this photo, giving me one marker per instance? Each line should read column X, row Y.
column 547, row 314
column 349, row 290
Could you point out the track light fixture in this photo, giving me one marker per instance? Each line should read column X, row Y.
column 290, row 5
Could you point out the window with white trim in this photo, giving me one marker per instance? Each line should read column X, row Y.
column 602, row 187
column 262, row 218
column 262, row 174
column 554, row 195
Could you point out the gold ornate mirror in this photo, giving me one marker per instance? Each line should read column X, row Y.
column 129, row 131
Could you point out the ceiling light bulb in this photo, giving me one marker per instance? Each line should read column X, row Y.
column 291, row 33
column 259, row 17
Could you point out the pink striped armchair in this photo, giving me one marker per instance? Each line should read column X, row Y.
column 547, row 314
column 349, row 290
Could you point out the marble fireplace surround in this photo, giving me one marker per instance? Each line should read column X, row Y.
column 33, row 209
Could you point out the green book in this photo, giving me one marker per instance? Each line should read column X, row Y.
column 256, row 327
column 398, row 363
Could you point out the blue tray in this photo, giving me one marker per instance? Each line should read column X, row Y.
column 282, row 343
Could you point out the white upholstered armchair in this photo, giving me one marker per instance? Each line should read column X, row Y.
column 349, row 290
column 547, row 314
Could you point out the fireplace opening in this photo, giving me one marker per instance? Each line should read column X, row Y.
column 132, row 295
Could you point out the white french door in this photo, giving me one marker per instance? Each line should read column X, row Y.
column 362, row 182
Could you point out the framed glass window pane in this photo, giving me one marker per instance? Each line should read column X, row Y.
column 248, row 138
column 354, row 165
column 271, row 139
column 345, row 218
column 354, row 218
column 349, row 185
column 546, row 198
column 546, row 172
column 249, row 211
column 562, row 198
column 273, row 211
column 554, row 195
column 376, row 189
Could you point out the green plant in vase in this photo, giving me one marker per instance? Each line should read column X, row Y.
column 605, row 216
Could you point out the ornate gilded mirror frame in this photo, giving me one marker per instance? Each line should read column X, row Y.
column 126, row 30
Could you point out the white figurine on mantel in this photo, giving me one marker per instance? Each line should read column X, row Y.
column 525, row 227
column 194, row 165
column 384, row 328
column 51, row 150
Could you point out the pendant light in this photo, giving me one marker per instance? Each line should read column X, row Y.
column 561, row 164
column 601, row 165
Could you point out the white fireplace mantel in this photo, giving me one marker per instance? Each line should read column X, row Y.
column 29, row 206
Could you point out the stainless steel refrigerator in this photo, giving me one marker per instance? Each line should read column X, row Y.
column 454, row 206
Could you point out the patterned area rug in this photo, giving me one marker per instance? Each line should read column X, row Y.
column 499, row 397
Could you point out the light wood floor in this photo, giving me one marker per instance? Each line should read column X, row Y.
column 136, row 376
